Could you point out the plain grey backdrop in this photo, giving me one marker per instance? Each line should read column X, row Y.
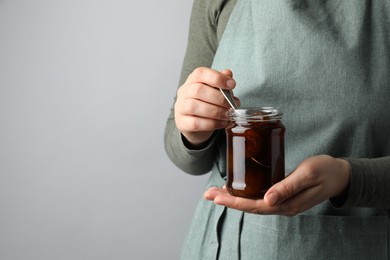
column 85, row 90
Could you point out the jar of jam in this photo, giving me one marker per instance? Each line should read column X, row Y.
column 255, row 151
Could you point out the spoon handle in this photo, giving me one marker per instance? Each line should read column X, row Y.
column 228, row 94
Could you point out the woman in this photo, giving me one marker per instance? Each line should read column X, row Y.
column 327, row 65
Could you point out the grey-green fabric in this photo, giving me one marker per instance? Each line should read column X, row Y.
column 327, row 65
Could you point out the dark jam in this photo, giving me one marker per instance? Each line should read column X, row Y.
column 255, row 151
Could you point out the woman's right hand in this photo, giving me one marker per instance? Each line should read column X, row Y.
column 200, row 107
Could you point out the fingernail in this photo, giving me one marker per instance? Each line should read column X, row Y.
column 272, row 199
column 230, row 83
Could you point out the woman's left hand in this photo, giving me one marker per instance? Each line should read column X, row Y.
column 315, row 180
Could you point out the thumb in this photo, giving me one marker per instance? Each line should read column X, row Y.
column 227, row 72
column 284, row 189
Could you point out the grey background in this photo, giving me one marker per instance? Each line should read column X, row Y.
column 85, row 90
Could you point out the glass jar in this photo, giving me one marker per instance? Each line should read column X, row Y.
column 255, row 151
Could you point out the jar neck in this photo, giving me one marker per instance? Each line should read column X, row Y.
column 260, row 114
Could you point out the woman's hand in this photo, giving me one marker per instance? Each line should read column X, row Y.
column 315, row 180
column 200, row 107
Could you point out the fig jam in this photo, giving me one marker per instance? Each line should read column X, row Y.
column 255, row 151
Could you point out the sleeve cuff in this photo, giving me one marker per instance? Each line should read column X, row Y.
column 368, row 186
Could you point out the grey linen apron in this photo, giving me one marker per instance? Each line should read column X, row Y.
column 327, row 65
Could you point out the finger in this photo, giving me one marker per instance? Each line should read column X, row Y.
column 300, row 202
column 223, row 198
column 227, row 72
column 205, row 93
column 199, row 124
column 199, row 108
column 212, row 78
column 213, row 192
column 246, row 205
column 287, row 188
column 230, row 74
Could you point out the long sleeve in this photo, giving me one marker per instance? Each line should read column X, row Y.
column 370, row 177
column 369, row 185
column 208, row 20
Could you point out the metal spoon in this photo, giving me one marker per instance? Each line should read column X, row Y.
column 228, row 94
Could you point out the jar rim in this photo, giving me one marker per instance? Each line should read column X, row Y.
column 256, row 113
